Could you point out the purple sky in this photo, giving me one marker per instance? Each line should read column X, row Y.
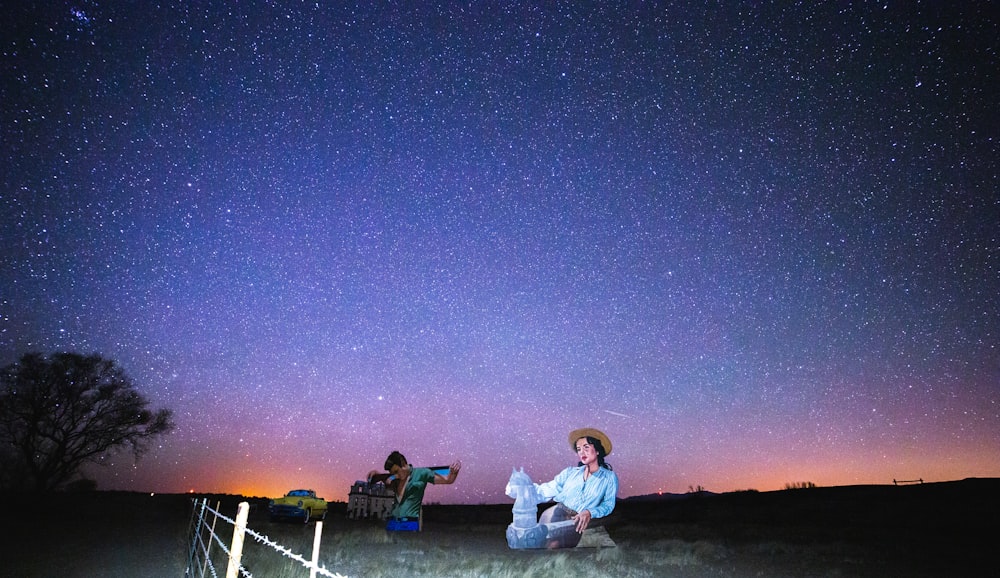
column 756, row 246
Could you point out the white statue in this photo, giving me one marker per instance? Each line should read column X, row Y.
column 525, row 531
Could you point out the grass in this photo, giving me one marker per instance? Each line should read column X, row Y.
column 929, row 530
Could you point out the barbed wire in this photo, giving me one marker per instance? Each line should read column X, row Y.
column 222, row 545
column 262, row 539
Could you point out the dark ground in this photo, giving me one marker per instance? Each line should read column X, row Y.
column 939, row 529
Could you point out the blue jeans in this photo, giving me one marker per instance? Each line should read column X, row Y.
column 562, row 536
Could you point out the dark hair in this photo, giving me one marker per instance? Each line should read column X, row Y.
column 601, row 452
column 395, row 459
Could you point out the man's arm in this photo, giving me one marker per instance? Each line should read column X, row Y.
column 375, row 477
column 452, row 474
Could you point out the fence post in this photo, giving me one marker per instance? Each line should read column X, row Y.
column 239, row 530
column 315, row 558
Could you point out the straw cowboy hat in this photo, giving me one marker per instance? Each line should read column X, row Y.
column 590, row 432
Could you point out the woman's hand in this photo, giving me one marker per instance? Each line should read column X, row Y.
column 582, row 521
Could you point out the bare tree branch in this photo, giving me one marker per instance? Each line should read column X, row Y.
column 60, row 412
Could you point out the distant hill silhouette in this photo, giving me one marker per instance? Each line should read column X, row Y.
column 666, row 496
column 967, row 484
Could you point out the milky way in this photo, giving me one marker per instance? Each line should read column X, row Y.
column 756, row 246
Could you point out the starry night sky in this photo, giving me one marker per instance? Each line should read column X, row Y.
column 755, row 245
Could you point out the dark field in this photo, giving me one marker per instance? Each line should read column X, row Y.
column 940, row 529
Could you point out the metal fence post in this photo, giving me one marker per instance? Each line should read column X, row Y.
column 239, row 531
column 315, row 558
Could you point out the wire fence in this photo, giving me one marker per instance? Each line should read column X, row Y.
column 207, row 540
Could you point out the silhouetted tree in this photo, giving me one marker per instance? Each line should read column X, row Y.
column 59, row 412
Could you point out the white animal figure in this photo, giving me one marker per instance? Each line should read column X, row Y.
column 524, row 531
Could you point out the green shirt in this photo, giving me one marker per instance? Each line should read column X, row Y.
column 413, row 494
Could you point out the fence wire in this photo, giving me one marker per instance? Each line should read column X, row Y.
column 198, row 545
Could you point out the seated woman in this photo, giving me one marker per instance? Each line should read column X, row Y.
column 582, row 493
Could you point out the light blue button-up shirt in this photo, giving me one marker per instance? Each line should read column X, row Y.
column 596, row 494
